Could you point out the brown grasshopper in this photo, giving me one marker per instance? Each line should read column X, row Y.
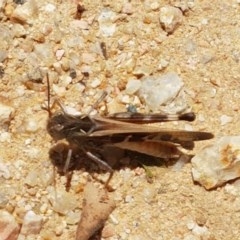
column 87, row 135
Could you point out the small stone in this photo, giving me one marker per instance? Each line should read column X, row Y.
column 113, row 219
column 224, row 119
column 128, row 199
column 133, row 86
column 154, row 6
column 163, row 64
column 4, row 172
column 4, row 199
column 37, row 178
column 161, row 90
column 2, row 4
column 5, row 113
column 44, row 52
column 190, row 46
column 65, row 64
column 32, row 224
column 125, row 99
column 218, row 163
column 199, row 230
column 108, row 231
column 114, row 106
column 142, row 70
column 19, row 30
column 207, row 57
column 60, row 229
column 81, row 24
column 5, row 137
column 72, row 217
column 88, row 58
column 3, row 55
column 31, row 125
column 24, row 13
column 170, row 18
column 127, row 8
column 63, row 202
column 44, row 208
column 59, row 54
column 148, row 195
column 50, row 7
column 8, row 9
column 95, row 83
column 60, row 91
column 57, row 67
column 38, row 37
column 106, row 22
column 9, row 228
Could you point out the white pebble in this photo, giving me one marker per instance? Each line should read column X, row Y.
column 204, row 21
column 128, row 199
column 218, row 163
column 20, row 90
column 106, row 22
column 5, row 137
column 24, row 13
column 31, row 125
column 60, row 91
column 191, row 224
column 4, row 172
column 170, row 18
column 44, row 208
column 133, row 86
column 32, row 223
column 224, row 119
column 88, row 58
column 59, row 54
column 127, row 8
column 95, row 83
column 113, row 219
column 5, row 113
column 28, row 141
column 59, row 230
column 199, row 230
column 50, row 7
column 201, row 117
column 188, row 127
column 154, row 6
column 72, row 111
column 125, row 99
column 163, row 64
column 9, row 226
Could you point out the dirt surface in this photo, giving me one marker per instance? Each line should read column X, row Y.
column 204, row 50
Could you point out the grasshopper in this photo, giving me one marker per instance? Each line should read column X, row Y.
column 87, row 135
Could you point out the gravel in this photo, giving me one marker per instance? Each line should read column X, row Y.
column 196, row 40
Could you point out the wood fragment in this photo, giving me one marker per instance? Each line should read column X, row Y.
column 98, row 204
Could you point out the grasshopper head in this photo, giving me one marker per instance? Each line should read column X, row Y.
column 56, row 126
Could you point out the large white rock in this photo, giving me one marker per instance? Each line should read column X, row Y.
column 218, row 163
column 163, row 90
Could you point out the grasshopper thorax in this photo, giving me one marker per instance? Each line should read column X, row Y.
column 65, row 126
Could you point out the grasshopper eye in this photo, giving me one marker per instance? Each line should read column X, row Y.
column 58, row 127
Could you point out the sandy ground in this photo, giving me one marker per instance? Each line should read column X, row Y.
column 204, row 51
